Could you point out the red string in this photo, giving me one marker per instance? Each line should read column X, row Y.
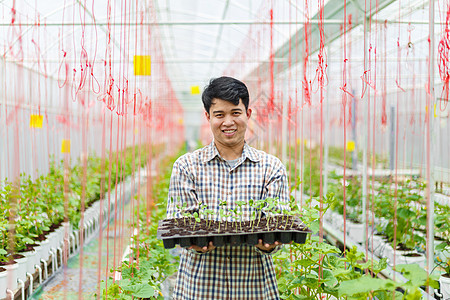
column 384, row 91
column 443, row 59
column 322, row 62
column 270, row 104
column 306, row 84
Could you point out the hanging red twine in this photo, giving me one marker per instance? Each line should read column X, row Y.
column 443, row 59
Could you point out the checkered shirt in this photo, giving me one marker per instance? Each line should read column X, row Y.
column 229, row 272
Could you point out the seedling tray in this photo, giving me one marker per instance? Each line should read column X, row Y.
column 182, row 232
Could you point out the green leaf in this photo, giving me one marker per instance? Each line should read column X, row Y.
column 329, row 278
column 305, row 262
column 3, row 252
column 27, row 240
column 143, row 291
column 417, row 276
column 340, row 272
column 383, row 295
column 362, row 285
column 441, row 247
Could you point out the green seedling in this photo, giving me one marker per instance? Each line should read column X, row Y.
column 209, row 216
column 196, row 218
column 182, row 209
column 278, row 212
column 259, row 204
column 222, row 213
column 270, row 206
column 241, row 213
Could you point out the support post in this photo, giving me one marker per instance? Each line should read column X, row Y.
column 392, row 140
column 430, row 188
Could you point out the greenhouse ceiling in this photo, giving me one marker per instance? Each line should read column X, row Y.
column 201, row 39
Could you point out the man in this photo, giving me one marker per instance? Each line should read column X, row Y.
column 227, row 169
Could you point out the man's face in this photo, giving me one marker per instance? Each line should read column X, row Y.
column 228, row 122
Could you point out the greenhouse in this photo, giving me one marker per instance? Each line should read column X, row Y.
column 225, row 149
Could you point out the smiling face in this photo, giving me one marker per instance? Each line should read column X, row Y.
column 228, row 124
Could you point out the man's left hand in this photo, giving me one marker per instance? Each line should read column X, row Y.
column 266, row 247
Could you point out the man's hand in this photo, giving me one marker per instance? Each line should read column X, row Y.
column 205, row 249
column 266, row 247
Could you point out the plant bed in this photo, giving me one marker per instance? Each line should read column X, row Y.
column 191, row 231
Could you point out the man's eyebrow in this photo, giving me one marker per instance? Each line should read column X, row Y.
column 221, row 111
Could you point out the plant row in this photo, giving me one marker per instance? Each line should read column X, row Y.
column 34, row 207
column 310, row 270
column 149, row 263
column 396, row 211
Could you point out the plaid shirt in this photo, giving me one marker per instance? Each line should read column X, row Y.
column 229, row 272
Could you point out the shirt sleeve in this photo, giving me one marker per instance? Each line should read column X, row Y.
column 182, row 194
column 278, row 187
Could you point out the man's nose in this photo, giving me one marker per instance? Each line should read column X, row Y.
column 228, row 120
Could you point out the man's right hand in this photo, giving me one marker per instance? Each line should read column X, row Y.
column 205, row 249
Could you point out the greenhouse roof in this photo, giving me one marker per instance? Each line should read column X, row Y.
column 201, row 39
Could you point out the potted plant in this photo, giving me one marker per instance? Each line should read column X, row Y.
column 408, row 217
column 444, row 262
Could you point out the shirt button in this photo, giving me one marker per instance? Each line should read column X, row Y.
column 229, row 193
column 228, row 257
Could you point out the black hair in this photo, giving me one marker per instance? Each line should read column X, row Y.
column 225, row 88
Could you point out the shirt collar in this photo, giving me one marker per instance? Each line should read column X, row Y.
column 211, row 152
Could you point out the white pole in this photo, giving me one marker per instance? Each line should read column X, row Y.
column 325, row 141
column 284, row 127
column 364, row 143
column 429, row 142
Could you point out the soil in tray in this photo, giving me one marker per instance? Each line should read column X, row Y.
column 187, row 231
column 188, row 226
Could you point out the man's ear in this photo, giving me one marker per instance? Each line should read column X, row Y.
column 249, row 112
column 207, row 116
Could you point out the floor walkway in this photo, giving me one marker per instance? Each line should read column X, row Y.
column 65, row 284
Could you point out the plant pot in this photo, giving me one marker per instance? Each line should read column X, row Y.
column 443, row 255
column 8, row 279
column 31, row 260
column 356, row 231
column 21, row 272
column 337, row 221
column 411, row 258
column 328, row 217
column 3, row 282
column 53, row 239
column 60, row 233
column 45, row 244
column 404, row 257
column 377, row 244
column 444, row 283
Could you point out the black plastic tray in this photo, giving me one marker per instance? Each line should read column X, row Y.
column 228, row 238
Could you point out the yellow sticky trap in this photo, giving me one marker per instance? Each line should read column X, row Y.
column 195, row 90
column 65, row 146
column 350, row 146
column 180, row 121
column 435, row 114
column 36, row 121
column 142, row 65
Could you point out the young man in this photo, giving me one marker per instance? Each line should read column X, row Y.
column 227, row 169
